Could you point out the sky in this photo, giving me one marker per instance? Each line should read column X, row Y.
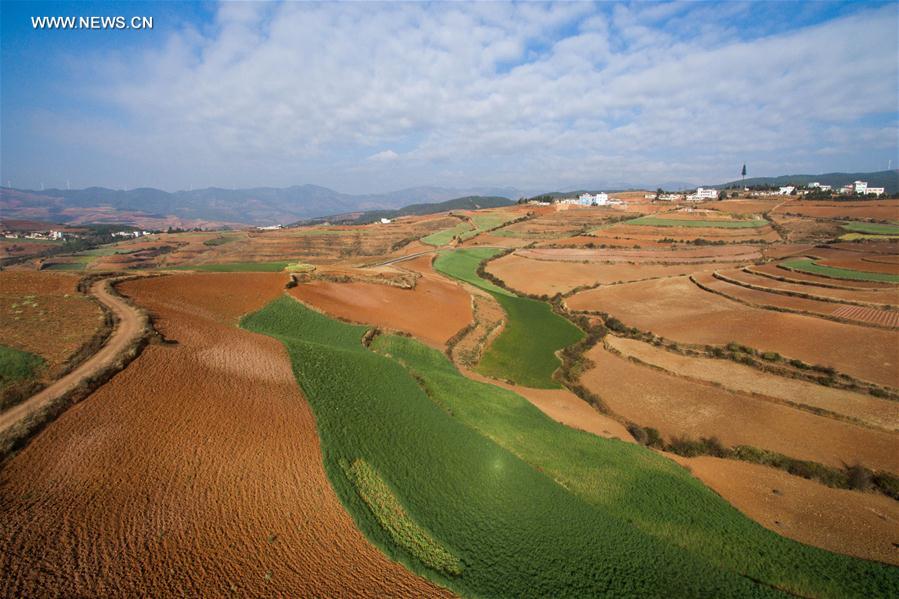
column 369, row 97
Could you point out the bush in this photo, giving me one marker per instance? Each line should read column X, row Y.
column 860, row 478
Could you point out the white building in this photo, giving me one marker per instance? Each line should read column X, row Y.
column 874, row 191
column 860, row 186
column 271, row 228
column 600, row 199
column 702, row 194
column 786, row 190
column 386, row 221
column 820, row 187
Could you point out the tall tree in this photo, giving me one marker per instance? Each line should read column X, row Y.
column 744, row 172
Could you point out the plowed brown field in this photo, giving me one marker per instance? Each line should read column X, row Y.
column 865, row 525
column 876, row 209
column 881, row 413
column 766, row 299
column 43, row 313
column 809, row 279
column 890, row 297
column 196, row 471
column 433, row 311
column 676, row 407
column 677, row 309
column 540, row 277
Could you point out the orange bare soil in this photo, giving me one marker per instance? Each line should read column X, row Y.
column 865, row 525
column 809, row 279
column 539, row 277
column 867, row 409
column 756, row 297
column 195, row 471
column 677, row 407
column 433, row 311
column 677, row 309
column 43, row 313
column 885, row 296
column 877, row 209
column 664, row 254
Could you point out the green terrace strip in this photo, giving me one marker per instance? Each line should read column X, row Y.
column 389, row 512
column 16, row 365
column 654, row 221
column 482, row 222
column 235, row 267
column 527, row 506
column 871, row 228
column 525, row 350
column 808, row 265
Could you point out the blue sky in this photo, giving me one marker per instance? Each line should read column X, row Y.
column 373, row 97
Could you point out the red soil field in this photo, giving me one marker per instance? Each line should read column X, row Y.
column 645, row 232
column 726, row 374
column 741, row 206
column 889, row 318
column 677, row 406
column 885, row 296
column 434, row 311
column 722, row 253
column 765, row 299
column 540, row 277
column 876, row 209
column 865, row 525
column 677, row 309
column 195, row 471
column 774, row 269
column 856, row 263
column 43, row 313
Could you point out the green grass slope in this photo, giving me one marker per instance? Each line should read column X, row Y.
column 871, row 228
column 810, row 266
column 654, row 221
column 525, row 351
column 527, row 507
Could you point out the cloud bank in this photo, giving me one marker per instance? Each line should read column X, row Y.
column 373, row 97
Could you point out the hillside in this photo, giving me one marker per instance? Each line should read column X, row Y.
column 465, row 203
column 889, row 180
column 212, row 206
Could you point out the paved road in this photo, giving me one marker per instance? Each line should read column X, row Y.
column 129, row 328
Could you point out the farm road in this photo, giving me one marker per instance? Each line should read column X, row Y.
column 129, row 326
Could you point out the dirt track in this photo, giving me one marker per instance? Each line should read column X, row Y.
column 196, row 471
column 128, row 328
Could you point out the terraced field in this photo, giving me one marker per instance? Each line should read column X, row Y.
column 461, row 456
column 658, row 221
column 811, row 266
column 524, row 352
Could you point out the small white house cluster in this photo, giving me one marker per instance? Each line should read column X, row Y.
column 270, row 228
column 44, row 235
column 861, row 188
column 702, row 194
column 133, row 234
column 599, row 199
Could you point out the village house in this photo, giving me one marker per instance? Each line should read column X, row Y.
column 702, row 194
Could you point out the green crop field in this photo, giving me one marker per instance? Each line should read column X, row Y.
column 809, row 266
column 525, row 351
column 463, row 265
column 871, row 228
column 654, row 221
column 236, row 267
column 482, row 222
column 473, row 487
column 16, row 365
column 857, row 236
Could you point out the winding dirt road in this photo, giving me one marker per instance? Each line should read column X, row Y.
column 129, row 326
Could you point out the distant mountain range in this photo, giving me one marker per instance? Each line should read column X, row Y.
column 889, row 180
column 217, row 207
column 154, row 208
column 370, row 216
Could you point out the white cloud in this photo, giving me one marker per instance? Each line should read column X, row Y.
column 385, row 156
column 529, row 95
